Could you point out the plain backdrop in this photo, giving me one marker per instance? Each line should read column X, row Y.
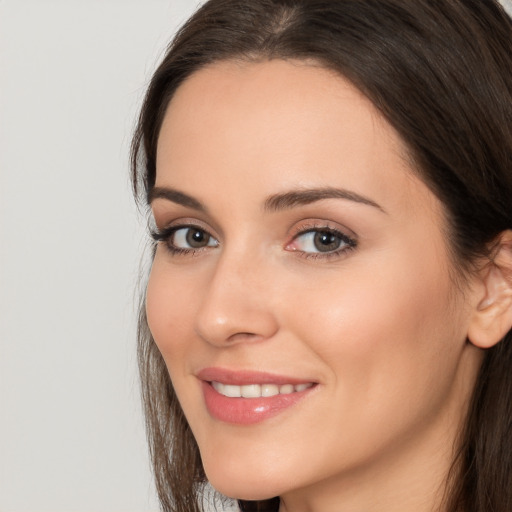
column 72, row 75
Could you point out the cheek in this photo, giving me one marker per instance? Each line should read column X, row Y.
column 388, row 338
column 169, row 309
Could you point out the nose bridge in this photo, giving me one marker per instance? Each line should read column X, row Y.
column 236, row 304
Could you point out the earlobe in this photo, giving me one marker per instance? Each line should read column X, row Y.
column 492, row 317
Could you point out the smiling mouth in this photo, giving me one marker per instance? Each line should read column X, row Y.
column 258, row 390
column 248, row 397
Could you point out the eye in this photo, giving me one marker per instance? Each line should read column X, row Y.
column 192, row 238
column 321, row 241
column 185, row 239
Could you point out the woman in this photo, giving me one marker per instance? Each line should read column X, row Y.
column 330, row 301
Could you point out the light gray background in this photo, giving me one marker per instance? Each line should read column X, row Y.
column 72, row 75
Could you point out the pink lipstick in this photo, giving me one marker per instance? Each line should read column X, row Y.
column 245, row 397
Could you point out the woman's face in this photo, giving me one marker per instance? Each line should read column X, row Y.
column 301, row 259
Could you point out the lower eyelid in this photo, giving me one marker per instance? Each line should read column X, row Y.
column 333, row 256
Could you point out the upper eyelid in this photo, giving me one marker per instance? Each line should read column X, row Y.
column 185, row 222
column 351, row 241
column 165, row 219
column 306, row 226
column 171, row 230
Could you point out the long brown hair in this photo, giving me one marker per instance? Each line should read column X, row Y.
column 440, row 71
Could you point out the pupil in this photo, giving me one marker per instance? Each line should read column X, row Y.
column 197, row 238
column 326, row 242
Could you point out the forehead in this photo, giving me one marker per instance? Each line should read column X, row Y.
column 278, row 125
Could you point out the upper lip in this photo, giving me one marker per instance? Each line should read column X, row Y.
column 246, row 377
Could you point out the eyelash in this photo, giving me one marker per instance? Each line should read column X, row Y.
column 349, row 243
column 166, row 235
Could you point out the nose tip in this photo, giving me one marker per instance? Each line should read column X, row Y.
column 235, row 311
column 243, row 323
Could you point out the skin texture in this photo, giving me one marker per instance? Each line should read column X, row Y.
column 380, row 327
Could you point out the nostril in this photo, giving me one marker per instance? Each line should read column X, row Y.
column 244, row 336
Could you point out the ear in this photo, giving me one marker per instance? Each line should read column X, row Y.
column 492, row 316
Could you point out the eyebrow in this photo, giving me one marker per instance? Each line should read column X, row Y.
column 296, row 198
column 274, row 203
column 175, row 196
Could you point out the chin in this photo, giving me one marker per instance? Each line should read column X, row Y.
column 249, row 492
column 245, row 484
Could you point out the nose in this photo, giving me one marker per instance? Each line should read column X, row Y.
column 236, row 306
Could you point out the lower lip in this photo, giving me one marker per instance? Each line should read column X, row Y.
column 247, row 411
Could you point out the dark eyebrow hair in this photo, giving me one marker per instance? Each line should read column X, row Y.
column 176, row 197
column 273, row 203
column 303, row 197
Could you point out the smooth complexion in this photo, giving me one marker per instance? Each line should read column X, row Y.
column 347, row 288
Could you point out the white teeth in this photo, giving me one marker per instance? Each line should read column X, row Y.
column 286, row 389
column 251, row 391
column 269, row 390
column 218, row 386
column 257, row 390
column 232, row 391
